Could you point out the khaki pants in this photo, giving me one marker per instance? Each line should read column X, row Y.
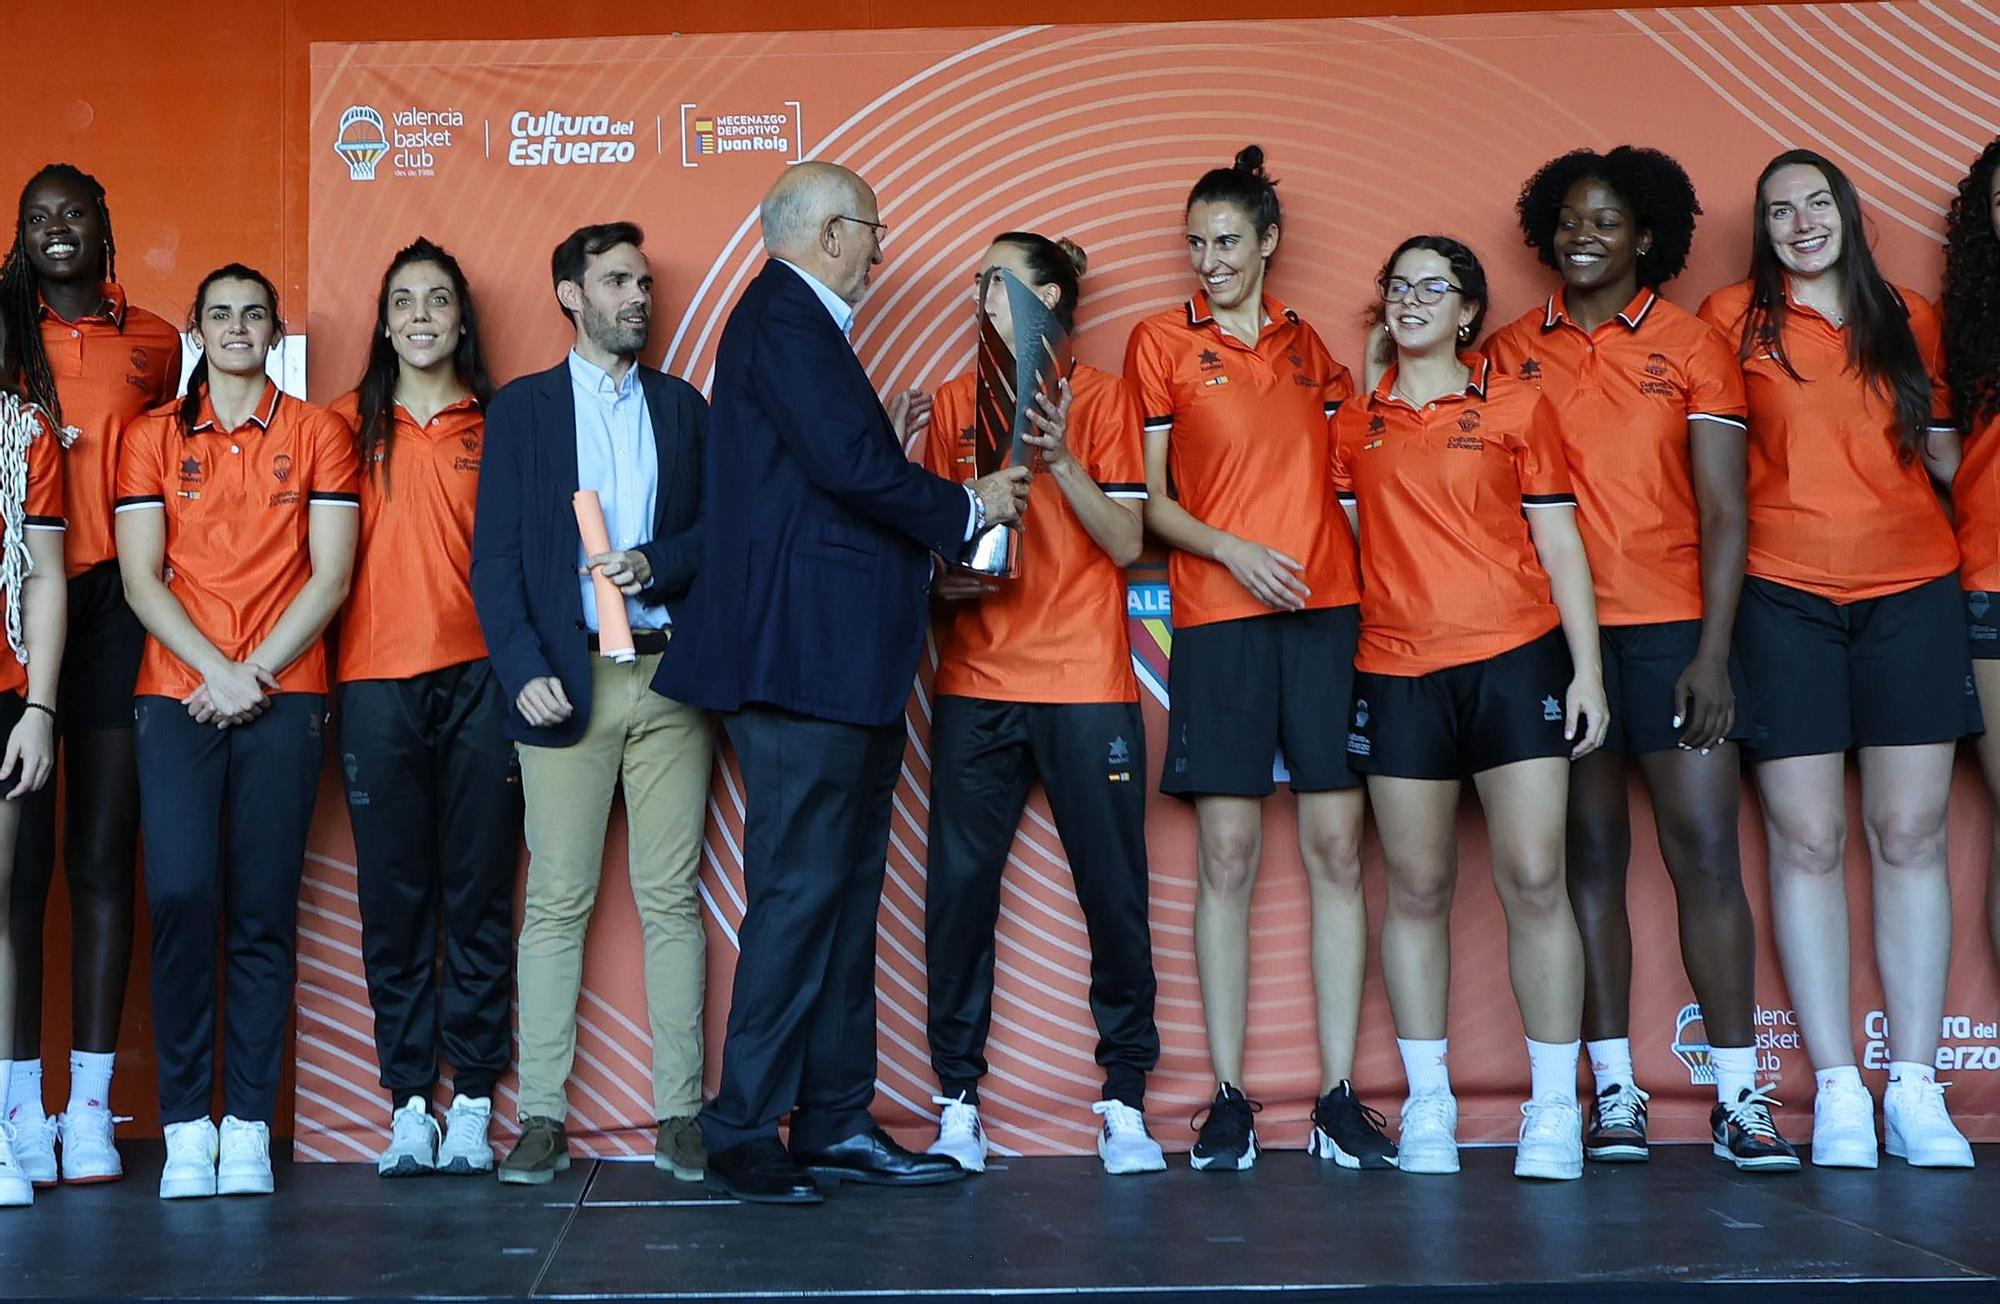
column 660, row 750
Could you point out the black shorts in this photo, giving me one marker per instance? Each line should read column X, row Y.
column 1881, row 672
column 13, row 706
column 1239, row 691
column 1641, row 665
column 1463, row 720
column 101, row 655
column 1982, row 624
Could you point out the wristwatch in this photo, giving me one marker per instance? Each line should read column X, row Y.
column 978, row 511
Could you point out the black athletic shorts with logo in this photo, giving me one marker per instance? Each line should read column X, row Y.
column 1463, row 720
column 1891, row 671
column 1240, row 690
column 1642, row 663
column 1982, row 624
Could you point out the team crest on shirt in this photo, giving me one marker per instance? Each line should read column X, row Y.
column 1210, row 360
column 473, row 442
column 1656, row 364
column 1531, row 369
column 1656, row 385
column 1469, row 422
column 191, row 478
column 1377, row 424
column 141, row 375
column 281, row 467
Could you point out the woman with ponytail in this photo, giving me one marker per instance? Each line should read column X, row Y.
column 94, row 363
column 432, row 790
column 1852, row 632
column 1035, row 683
column 1237, row 390
column 31, row 566
column 236, row 519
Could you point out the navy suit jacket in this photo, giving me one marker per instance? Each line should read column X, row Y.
column 817, row 530
column 525, row 542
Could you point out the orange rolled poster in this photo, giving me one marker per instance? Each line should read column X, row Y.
column 614, row 632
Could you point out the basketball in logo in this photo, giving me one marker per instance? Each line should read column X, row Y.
column 361, row 142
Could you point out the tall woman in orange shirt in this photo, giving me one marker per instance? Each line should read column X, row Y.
column 1236, row 389
column 1478, row 659
column 94, row 363
column 1852, row 635
column 1971, row 304
column 237, row 514
column 1650, row 402
column 432, row 790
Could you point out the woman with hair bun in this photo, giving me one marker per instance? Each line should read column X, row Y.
column 1237, row 390
column 1652, row 415
column 1035, row 683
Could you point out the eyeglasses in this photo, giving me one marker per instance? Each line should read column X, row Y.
column 1427, row 291
column 881, row 229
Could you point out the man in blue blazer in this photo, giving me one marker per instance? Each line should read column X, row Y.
column 803, row 629
column 585, row 724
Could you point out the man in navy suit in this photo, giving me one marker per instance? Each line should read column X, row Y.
column 586, row 725
column 803, row 630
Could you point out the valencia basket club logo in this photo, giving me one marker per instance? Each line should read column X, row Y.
column 361, row 141
column 1691, row 1046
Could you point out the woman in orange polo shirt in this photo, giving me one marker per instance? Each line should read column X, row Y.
column 94, row 363
column 1650, row 404
column 31, row 560
column 1852, row 635
column 1035, row 683
column 1235, row 389
column 1478, row 659
column 1971, row 304
column 236, row 518
column 433, row 793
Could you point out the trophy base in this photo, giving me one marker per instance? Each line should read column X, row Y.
column 995, row 552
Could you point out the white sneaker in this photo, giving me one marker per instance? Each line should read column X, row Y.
column 244, row 1167
column 1844, row 1127
column 413, row 1141
column 190, row 1168
column 959, row 1135
column 1429, row 1143
column 1123, row 1142
column 89, row 1152
column 16, row 1191
column 35, row 1147
column 465, row 1148
column 1551, row 1144
column 1917, row 1127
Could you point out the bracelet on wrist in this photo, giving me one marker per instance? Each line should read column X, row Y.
column 41, row 706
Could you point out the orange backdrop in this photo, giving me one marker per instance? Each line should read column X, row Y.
column 1376, row 128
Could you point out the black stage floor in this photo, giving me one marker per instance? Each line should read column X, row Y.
column 1036, row 1229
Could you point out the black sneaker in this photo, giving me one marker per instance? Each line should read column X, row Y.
column 1228, row 1139
column 1616, row 1132
column 1746, row 1135
column 1349, row 1133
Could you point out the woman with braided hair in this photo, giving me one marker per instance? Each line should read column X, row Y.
column 31, row 559
column 93, row 363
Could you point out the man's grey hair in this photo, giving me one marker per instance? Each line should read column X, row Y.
column 801, row 202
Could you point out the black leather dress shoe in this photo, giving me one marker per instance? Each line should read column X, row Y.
column 760, row 1172
column 873, row 1157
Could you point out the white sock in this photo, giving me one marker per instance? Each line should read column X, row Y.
column 90, row 1079
column 1610, row 1062
column 1846, row 1075
column 1735, row 1071
column 23, row 1097
column 1552, row 1069
column 1910, row 1071
column 1424, row 1065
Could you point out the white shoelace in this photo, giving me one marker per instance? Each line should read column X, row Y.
column 1432, row 1110
column 1927, row 1098
column 1548, row 1120
column 1752, row 1112
column 1120, row 1119
column 1621, row 1108
column 92, row 1126
column 958, row 1118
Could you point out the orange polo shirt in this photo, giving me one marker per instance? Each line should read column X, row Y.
column 1624, row 394
column 43, row 510
column 110, row 368
column 1449, row 571
column 1055, row 632
column 1833, row 509
column 1247, row 449
column 237, row 503
column 1975, row 501
column 410, row 609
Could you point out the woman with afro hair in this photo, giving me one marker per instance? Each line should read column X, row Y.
column 1652, row 411
column 1972, row 366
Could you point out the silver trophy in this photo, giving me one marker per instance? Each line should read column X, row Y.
column 1004, row 398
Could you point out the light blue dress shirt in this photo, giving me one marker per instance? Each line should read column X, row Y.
column 616, row 455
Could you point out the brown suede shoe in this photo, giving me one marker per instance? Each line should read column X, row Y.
column 541, row 1153
column 680, row 1150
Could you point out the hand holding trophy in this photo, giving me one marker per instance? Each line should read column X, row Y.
column 1024, row 364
